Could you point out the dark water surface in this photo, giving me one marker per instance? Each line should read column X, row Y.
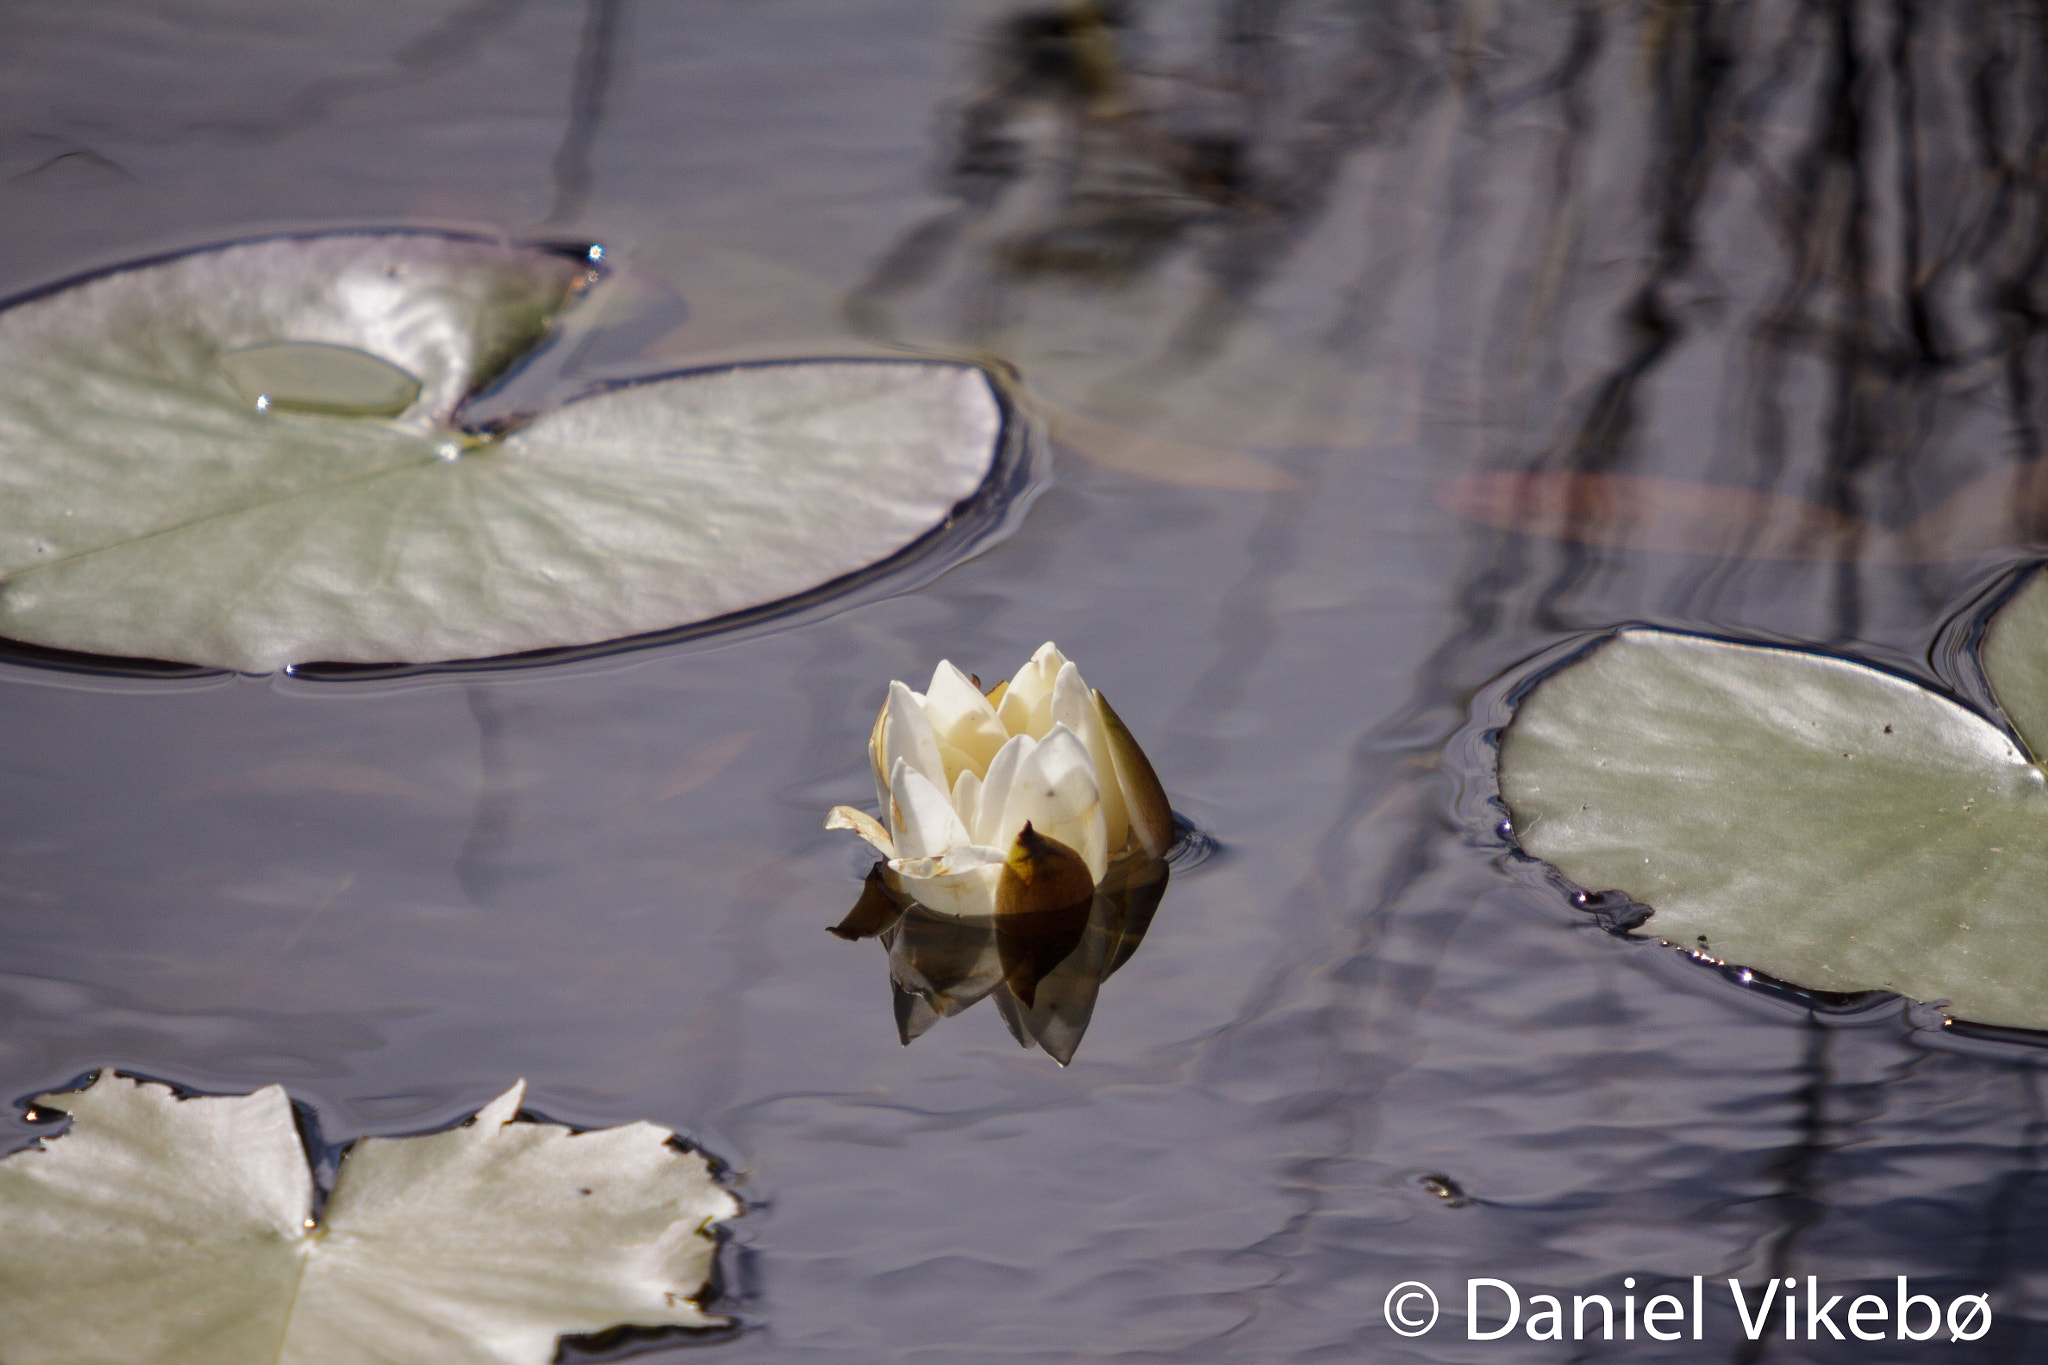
column 1295, row 282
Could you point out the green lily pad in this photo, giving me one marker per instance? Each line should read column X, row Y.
column 154, row 505
column 1818, row 820
column 169, row 1231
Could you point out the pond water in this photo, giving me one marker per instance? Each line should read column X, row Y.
column 1281, row 274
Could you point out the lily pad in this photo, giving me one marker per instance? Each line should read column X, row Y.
column 254, row 456
column 1824, row 822
column 162, row 1231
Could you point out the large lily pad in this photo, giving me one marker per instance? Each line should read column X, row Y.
column 1824, row 822
column 221, row 458
column 168, row 1231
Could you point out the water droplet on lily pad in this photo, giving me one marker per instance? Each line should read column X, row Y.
column 319, row 377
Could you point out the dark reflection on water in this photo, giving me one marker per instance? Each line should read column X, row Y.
column 1043, row 968
column 1389, row 347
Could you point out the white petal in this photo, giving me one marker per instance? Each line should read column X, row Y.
column 955, row 762
column 1071, row 699
column 927, row 825
column 908, row 735
column 1116, row 816
column 1144, row 800
column 962, row 718
column 1027, row 703
column 1055, row 790
column 878, row 761
column 967, row 798
column 963, row 882
column 863, row 824
column 995, row 791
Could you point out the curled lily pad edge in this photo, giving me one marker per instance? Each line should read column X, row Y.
column 589, row 254
column 1017, row 475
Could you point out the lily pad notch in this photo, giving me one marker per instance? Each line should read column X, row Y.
column 259, row 456
column 1811, row 818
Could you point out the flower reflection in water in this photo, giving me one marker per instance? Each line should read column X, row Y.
column 1043, row 967
column 1024, row 853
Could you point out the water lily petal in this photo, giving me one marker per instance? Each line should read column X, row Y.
column 1055, row 792
column 1043, row 902
column 1069, row 697
column 967, row 799
column 960, row 882
column 927, row 825
column 956, row 762
column 863, row 824
column 877, row 760
column 1026, row 708
column 995, row 789
column 1144, row 798
column 963, row 719
column 907, row 734
column 1073, row 705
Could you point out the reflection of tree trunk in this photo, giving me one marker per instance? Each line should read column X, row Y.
column 596, row 66
column 480, row 866
column 1844, row 222
column 1796, row 1171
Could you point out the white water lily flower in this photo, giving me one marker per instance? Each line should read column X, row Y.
column 960, row 775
